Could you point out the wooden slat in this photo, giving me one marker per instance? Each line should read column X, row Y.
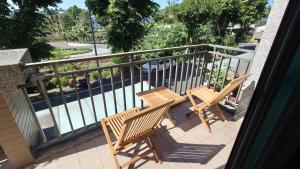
column 158, row 95
column 211, row 98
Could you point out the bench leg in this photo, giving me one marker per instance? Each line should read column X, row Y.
column 204, row 122
column 220, row 112
column 116, row 162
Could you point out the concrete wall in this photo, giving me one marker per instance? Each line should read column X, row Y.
column 264, row 47
column 18, row 130
column 261, row 54
column 12, row 141
column 22, row 116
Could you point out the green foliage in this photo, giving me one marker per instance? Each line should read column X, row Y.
column 219, row 79
column 94, row 75
column 161, row 36
column 168, row 14
column 40, row 51
column 51, row 84
column 206, row 21
column 65, row 81
column 75, row 24
column 69, row 17
column 124, row 20
column 19, row 26
column 62, row 53
column 205, row 33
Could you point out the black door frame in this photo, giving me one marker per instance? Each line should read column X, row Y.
column 268, row 137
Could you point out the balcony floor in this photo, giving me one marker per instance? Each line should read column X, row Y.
column 186, row 146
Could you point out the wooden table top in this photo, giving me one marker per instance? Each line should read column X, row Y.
column 160, row 94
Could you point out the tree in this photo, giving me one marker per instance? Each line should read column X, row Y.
column 75, row 23
column 81, row 29
column 249, row 13
column 168, row 14
column 162, row 36
column 69, row 17
column 22, row 25
column 124, row 20
column 215, row 16
column 52, row 22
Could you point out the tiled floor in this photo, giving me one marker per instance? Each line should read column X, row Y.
column 186, row 146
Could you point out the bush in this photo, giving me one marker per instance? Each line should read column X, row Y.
column 51, row 84
column 161, row 36
column 62, row 53
column 94, row 75
column 40, row 51
column 204, row 34
column 65, row 81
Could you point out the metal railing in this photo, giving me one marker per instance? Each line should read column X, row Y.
column 177, row 68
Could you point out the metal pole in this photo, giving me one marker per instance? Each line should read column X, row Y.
column 92, row 29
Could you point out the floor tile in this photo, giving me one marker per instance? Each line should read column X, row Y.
column 186, row 146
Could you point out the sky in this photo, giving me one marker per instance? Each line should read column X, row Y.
column 80, row 3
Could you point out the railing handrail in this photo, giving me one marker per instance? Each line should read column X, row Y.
column 87, row 70
column 202, row 66
column 27, row 65
column 87, row 58
column 232, row 48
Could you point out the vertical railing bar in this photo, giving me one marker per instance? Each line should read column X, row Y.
column 203, row 71
column 132, row 79
column 33, row 113
column 141, row 81
column 240, row 87
column 176, row 74
column 63, row 96
column 226, row 74
column 186, row 74
column 218, row 72
column 123, row 87
column 149, row 75
column 102, row 88
column 157, row 75
column 181, row 75
column 197, row 70
column 192, row 72
column 113, row 88
column 164, row 74
column 236, row 69
column 47, row 100
column 87, row 76
column 212, row 69
column 170, row 73
column 78, row 99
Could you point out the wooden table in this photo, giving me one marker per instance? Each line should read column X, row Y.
column 159, row 95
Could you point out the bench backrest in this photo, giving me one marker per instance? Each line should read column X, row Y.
column 228, row 89
column 140, row 123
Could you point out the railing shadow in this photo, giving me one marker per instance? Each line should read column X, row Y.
column 184, row 153
column 193, row 153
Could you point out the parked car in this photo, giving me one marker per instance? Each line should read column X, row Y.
column 160, row 65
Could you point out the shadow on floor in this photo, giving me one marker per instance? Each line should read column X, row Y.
column 184, row 153
column 4, row 163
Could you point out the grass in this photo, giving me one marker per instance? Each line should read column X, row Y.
column 63, row 53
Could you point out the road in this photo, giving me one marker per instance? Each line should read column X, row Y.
column 102, row 49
